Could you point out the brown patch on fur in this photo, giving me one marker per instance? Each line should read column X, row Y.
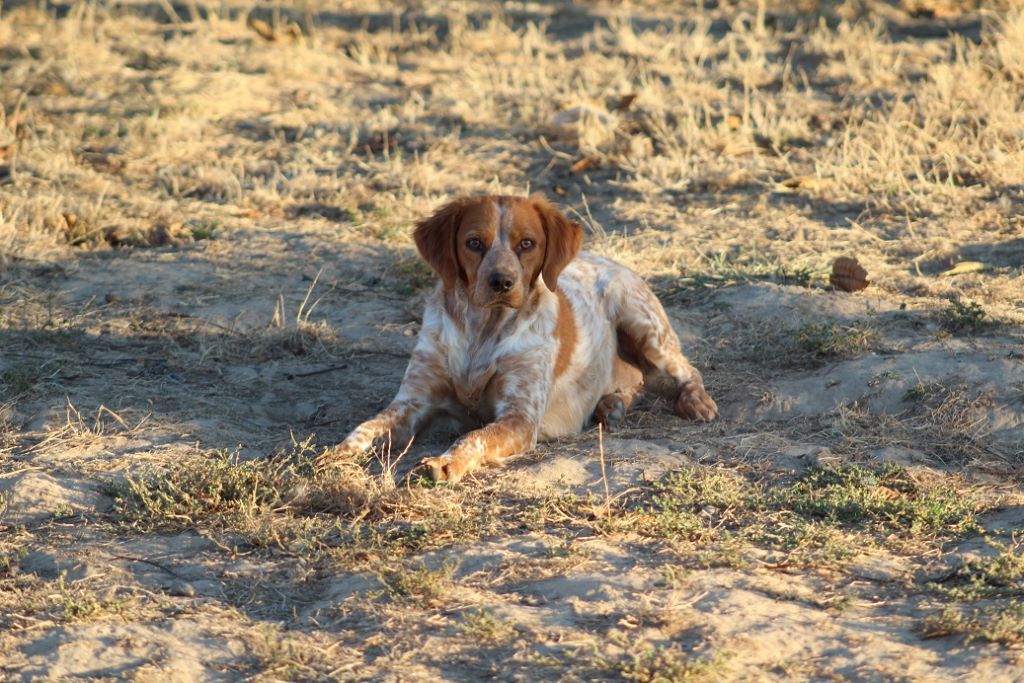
column 565, row 333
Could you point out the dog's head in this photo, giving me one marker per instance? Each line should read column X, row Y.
column 498, row 246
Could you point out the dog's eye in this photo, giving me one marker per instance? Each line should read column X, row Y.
column 475, row 244
column 526, row 245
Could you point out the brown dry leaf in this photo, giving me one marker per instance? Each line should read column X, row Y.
column 848, row 275
column 100, row 160
column 265, row 31
column 733, row 122
column 56, row 88
column 8, row 150
column 932, row 9
column 625, row 102
column 585, row 164
column 803, row 182
column 117, row 235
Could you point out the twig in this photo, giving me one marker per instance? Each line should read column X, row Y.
column 604, row 473
column 312, row 373
column 152, row 563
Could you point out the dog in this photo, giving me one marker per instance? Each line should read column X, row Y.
column 526, row 337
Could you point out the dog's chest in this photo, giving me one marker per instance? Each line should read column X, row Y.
column 471, row 368
column 475, row 353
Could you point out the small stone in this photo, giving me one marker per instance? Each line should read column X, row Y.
column 182, row 588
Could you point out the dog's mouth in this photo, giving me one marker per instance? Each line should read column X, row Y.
column 512, row 302
column 501, row 303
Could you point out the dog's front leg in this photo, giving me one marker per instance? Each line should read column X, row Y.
column 519, row 394
column 423, row 388
column 492, row 443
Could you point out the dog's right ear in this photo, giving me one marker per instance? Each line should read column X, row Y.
column 435, row 240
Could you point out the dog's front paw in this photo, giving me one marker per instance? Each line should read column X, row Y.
column 443, row 468
column 694, row 403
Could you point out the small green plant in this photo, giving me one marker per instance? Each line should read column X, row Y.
column 677, row 504
column 644, row 663
column 78, row 605
column 998, row 575
column 482, row 625
column 960, row 317
column 420, row 584
column 81, row 604
column 209, row 487
column 856, row 496
column 203, row 230
column 18, row 381
column 831, row 340
column 997, row 623
column 800, row 277
column 916, row 393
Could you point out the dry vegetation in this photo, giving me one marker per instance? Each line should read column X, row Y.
column 206, row 277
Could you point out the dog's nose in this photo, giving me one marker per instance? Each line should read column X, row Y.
column 500, row 282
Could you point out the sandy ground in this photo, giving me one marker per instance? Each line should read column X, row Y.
column 206, row 278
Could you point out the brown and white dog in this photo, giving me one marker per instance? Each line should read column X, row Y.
column 525, row 336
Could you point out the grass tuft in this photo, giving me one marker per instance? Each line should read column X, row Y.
column 832, row 340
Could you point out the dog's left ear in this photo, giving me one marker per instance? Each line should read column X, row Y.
column 563, row 239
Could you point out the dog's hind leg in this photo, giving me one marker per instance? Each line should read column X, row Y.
column 647, row 338
column 627, row 384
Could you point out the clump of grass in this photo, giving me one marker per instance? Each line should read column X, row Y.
column 283, row 503
column 825, row 515
column 999, row 575
column 832, row 340
column 677, row 504
column 888, row 499
column 419, row 584
column 728, row 269
column 996, row 623
column 920, row 392
column 18, row 381
column 76, row 603
column 483, row 626
column 214, row 488
column 644, row 663
column 961, row 317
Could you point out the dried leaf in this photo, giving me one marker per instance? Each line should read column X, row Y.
column 803, row 182
column 848, row 275
column 585, row 164
column 100, row 160
column 965, row 267
column 8, row 150
column 625, row 102
column 262, row 28
column 117, row 235
column 733, row 122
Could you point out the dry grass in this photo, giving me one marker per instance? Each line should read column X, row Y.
column 206, row 277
